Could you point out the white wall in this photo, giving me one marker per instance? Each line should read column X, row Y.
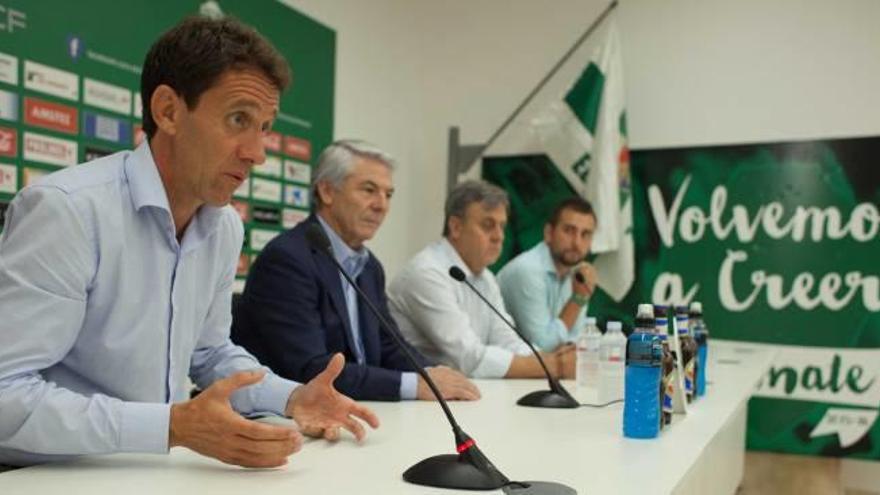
column 725, row 71
column 698, row 72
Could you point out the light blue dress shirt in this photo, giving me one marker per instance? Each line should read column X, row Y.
column 105, row 314
column 354, row 262
column 535, row 296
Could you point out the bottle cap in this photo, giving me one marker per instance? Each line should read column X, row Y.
column 697, row 307
column 645, row 311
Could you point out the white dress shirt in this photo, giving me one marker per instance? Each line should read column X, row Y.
column 446, row 321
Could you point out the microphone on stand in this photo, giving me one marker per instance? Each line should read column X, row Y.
column 557, row 396
column 470, row 469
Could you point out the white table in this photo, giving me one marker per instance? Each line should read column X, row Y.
column 583, row 448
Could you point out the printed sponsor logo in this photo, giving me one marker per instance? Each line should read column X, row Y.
column 138, row 105
column 61, row 118
column 8, row 142
column 261, row 237
column 272, row 166
column 8, row 69
column 107, row 128
column 107, row 96
column 8, row 178
column 52, row 81
column 290, row 217
column 244, row 262
column 12, row 20
column 297, row 148
column 93, row 153
column 296, row 196
column 266, row 190
column 297, row 171
column 31, row 175
column 47, row 149
column 271, row 216
column 272, row 142
column 8, row 106
column 139, row 134
column 75, row 47
column 243, row 210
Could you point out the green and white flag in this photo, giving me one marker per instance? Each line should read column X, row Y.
column 581, row 128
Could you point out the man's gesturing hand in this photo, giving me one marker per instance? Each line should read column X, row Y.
column 209, row 426
column 320, row 410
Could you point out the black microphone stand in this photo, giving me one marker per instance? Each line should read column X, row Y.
column 470, row 469
column 557, row 397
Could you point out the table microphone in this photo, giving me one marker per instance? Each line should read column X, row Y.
column 470, row 469
column 557, row 396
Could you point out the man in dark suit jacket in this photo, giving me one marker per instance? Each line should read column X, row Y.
column 297, row 310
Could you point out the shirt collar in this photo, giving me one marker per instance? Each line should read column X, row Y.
column 144, row 181
column 146, row 189
column 353, row 260
column 547, row 264
column 454, row 258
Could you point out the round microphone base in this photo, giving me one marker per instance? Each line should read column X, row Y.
column 538, row 488
column 548, row 398
column 450, row 471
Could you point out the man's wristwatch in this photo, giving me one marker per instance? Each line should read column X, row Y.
column 579, row 299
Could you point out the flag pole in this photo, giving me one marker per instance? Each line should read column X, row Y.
column 463, row 157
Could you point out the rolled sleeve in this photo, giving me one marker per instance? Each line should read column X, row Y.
column 525, row 293
column 495, row 363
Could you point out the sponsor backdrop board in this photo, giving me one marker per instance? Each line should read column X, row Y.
column 780, row 243
column 70, row 93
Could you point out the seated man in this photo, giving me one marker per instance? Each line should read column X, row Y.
column 297, row 310
column 448, row 322
column 116, row 279
column 548, row 303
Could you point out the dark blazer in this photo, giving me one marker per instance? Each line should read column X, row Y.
column 292, row 316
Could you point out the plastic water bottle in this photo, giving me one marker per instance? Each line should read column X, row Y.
column 641, row 406
column 667, row 378
column 688, row 351
column 701, row 336
column 588, row 342
column 611, row 367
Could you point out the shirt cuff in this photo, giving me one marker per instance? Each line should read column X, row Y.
column 273, row 394
column 409, row 385
column 495, row 363
column 562, row 333
column 144, row 427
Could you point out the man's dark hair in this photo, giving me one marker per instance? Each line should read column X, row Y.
column 192, row 55
column 575, row 203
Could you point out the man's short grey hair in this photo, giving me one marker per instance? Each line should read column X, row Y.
column 472, row 191
column 337, row 161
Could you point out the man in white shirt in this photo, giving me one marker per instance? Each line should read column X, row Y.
column 443, row 318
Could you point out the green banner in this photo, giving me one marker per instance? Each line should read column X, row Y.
column 779, row 242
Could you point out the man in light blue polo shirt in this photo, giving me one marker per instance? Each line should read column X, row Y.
column 545, row 298
column 116, row 279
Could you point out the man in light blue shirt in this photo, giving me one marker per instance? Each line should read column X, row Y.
column 545, row 298
column 116, row 279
